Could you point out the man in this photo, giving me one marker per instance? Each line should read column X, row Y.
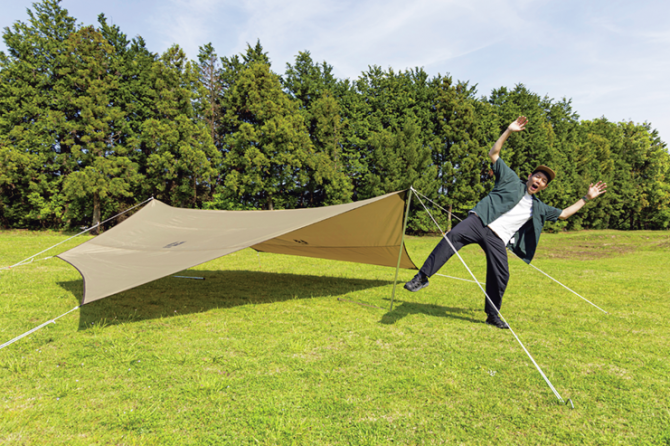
column 509, row 215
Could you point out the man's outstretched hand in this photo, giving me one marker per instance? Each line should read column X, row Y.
column 519, row 124
column 598, row 189
column 594, row 191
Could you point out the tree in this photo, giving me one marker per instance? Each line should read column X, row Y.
column 307, row 81
column 592, row 159
column 97, row 162
column 567, row 187
column 402, row 160
column 314, row 88
column 461, row 145
column 92, row 122
column 180, row 166
column 382, row 100
column 657, row 214
column 328, row 182
column 32, row 119
column 134, row 95
column 646, row 159
column 267, row 145
column 208, row 105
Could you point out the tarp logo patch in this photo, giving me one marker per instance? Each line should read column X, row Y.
column 173, row 244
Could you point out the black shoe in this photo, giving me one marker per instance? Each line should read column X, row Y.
column 419, row 281
column 496, row 322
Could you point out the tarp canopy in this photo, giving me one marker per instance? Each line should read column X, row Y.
column 160, row 240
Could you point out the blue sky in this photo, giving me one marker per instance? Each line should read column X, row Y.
column 612, row 58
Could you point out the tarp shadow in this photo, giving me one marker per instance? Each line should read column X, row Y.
column 220, row 289
column 407, row 308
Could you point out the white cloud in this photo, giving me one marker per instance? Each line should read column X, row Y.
column 357, row 34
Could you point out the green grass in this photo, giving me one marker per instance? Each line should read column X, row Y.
column 270, row 349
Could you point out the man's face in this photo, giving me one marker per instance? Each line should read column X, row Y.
column 537, row 182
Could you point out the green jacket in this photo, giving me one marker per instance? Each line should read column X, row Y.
column 507, row 192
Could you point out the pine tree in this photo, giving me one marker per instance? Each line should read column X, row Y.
column 381, row 101
column 208, row 105
column 181, row 157
column 592, row 160
column 134, row 96
column 314, row 87
column 97, row 161
column 461, row 143
column 401, row 161
column 646, row 157
column 267, row 145
column 568, row 186
column 32, row 118
column 328, row 182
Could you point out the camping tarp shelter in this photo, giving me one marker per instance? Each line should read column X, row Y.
column 160, row 240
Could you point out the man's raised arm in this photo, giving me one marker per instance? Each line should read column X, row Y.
column 518, row 125
column 594, row 191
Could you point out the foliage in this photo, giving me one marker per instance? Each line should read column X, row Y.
column 92, row 123
column 97, row 161
column 32, row 158
column 463, row 134
column 268, row 150
column 315, row 89
column 181, row 161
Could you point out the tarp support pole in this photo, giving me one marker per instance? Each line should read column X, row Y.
column 402, row 244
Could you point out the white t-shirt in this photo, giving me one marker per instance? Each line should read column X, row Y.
column 508, row 223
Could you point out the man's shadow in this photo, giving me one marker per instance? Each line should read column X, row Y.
column 408, row 308
column 172, row 296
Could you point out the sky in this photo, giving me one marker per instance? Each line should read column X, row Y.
column 611, row 58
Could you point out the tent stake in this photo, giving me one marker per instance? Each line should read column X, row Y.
column 402, row 244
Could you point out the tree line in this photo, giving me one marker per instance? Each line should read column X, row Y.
column 92, row 123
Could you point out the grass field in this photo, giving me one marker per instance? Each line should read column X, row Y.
column 271, row 349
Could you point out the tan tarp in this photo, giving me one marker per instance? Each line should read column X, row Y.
column 160, row 240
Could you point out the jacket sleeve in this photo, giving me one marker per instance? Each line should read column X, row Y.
column 551, row 213
column 504, row 175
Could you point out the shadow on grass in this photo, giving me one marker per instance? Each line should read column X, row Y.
column 408, row 308
column 220, row 289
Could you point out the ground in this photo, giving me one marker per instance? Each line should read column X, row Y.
column 273, row 349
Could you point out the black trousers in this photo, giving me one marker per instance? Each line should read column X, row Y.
column 472, row 230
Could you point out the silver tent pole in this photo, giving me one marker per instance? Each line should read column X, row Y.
column 402, row 244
